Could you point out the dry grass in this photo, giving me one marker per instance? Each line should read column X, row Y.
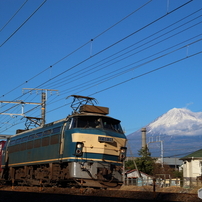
column 171, row 189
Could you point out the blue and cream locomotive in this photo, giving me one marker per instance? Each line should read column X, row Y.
column 85, row 149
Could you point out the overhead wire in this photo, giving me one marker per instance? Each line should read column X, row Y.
column 104, row 31
column 126, row 37
column 23, row 23
column 187, row 57
column 86, row 69
column 13, row 15
column 110, row 46
column 95, row 71
column 190, row 1
column 99, row 79
column 148, row 72
column 77, row 48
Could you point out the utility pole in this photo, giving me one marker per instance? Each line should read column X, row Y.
column 39, row 121
column 44, row 97
column 161, row 142
column 43, row 108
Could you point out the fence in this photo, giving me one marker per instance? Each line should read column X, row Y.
column 186, row 182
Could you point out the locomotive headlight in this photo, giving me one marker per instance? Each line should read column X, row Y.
column 122, row 153
column 79, row 146
column 79, row 149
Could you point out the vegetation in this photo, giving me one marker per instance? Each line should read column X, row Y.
column 145, row 163
column 148, row 165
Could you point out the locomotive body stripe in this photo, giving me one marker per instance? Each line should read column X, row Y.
column 62, row 159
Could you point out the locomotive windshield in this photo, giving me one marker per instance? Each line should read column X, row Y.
column 97, row 122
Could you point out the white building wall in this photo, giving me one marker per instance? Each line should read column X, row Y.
column 192, row 168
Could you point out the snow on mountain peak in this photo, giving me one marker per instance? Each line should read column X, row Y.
column 177, row 121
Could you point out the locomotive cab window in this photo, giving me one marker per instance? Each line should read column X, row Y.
column 112, row 124
column 97, row 122
column 86, row 122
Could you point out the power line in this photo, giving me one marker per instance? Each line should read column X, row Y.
column 99, row 81
column 13, row 15
column 85, row 60
column 184, row 58
column 76, row 49
column 142, row 74
column 23, row 23
column 146, row 73
column 91, row 72
column 122, row 19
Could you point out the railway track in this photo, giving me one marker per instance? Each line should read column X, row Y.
column 46, row 194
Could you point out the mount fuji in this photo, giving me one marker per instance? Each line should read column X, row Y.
column 177, row 132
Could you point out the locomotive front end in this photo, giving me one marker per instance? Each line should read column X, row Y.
column 99, row 148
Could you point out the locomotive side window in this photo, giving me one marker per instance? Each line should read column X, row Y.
column 12, row 142
column 24, row 139
column 47, row 132
column 31, row 137
column 18, row 141
column 38, row 135
column 56, row 130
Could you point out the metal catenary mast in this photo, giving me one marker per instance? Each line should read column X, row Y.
column 37, row 121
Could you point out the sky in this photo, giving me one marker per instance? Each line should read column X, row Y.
column 140, row 58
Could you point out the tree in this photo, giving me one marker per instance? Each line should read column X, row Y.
column 145, row 163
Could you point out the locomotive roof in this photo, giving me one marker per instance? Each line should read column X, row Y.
column 63, row 120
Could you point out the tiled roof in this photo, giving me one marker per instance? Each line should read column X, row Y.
column 196, row 154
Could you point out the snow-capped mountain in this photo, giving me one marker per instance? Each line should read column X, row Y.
column 177, row 121
column 180, row 130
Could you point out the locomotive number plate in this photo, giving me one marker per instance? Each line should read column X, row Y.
column 105, row 139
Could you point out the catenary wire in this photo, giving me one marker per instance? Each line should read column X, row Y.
column 23, row 23
column 93, row 68
column 172, row 51
column 13, row 15
column 187, row 57
column 95, row 71
column 110, row 46
column 76, row 49
column 100, row 80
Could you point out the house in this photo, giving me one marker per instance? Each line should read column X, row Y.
column 192, row 165
column 132, row 178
